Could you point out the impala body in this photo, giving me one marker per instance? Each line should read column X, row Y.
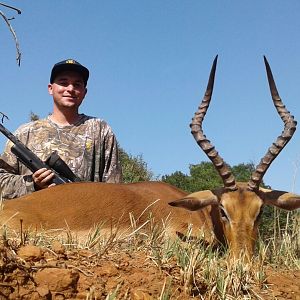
column 82, row 205
column 229, row 214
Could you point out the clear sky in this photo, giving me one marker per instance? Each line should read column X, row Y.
column 149, row 62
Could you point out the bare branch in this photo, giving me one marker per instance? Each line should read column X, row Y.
column 11, row 7
column 3, row 116
column 7, row 21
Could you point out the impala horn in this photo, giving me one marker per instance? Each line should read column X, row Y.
column 203, row 142
column 282, row 140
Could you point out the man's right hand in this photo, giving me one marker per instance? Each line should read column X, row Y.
column 42, row 178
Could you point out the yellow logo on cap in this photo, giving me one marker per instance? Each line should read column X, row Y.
column 70, row 61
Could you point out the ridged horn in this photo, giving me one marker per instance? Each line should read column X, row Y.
column 203, row 142
column 282, row 140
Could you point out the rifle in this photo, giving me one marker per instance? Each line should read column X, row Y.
column 62, row 172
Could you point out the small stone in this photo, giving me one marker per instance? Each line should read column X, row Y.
column 57, row 280
column 43, row 291
column 58, row 247
column 31, row 252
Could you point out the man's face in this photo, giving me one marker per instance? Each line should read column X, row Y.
column 68, row 90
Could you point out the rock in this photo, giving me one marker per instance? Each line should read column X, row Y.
column 43, row 291
column 58, row 247
column 31, row 253
column 57, row 280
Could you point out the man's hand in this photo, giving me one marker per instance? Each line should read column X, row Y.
column 42, row 178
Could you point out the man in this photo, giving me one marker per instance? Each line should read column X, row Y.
column 86, row 144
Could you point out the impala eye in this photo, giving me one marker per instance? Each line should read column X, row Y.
column 224, row 216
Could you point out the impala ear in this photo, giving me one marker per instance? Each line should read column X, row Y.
column 281, row 199
column 196, row 201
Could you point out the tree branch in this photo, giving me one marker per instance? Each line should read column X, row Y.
column 7, row 21
column 4, row 116
column 11, row 7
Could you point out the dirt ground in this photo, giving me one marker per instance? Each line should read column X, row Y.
column 31, row 272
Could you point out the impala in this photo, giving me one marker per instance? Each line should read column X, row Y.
column 236, row 207
column 229, row 214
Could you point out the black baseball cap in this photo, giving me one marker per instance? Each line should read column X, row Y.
column 69, row 65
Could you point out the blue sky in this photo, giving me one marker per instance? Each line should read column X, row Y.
column 149, row 64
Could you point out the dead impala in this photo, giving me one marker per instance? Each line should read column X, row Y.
column 236, row 207
column 229, row 214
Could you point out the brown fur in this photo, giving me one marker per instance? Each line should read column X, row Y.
column 82, row 205
column 231, row 215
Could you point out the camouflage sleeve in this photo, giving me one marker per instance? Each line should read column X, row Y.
column 112, row 168
column 13, row 184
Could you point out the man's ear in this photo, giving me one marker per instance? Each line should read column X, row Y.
column 50, row 91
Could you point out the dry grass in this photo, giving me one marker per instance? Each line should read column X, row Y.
column 283, row 247
column 203, row 272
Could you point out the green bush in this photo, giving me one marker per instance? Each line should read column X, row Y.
column 134, row 168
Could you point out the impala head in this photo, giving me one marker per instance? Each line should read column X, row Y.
column 236, row 207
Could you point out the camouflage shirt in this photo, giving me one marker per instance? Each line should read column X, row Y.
column 89, row 148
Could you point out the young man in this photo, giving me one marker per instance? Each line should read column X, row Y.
column 86, row 144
